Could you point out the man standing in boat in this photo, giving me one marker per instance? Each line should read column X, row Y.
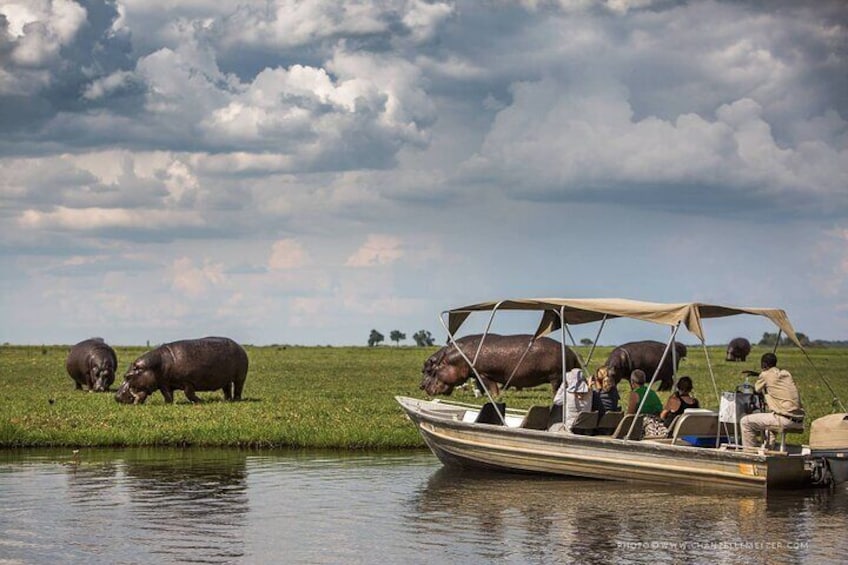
column 782, row 399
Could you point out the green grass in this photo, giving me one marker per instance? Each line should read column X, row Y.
column 340, row 397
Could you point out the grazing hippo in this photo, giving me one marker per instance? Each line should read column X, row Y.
column 643, row 355
column 192, row 365
column 738, row 349
column 92, row 363
column 498, row 358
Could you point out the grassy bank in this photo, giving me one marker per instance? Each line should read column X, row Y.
column 300, row 396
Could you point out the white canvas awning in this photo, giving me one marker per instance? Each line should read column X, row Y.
column 585, row 310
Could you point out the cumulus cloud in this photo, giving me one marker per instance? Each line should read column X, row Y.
column 38, row 29
column 424, row 18
column 108, row 85
column 291, row 23
column 195, row 281
column 830, row 256
column 31, row 41
column 92, row 219
column 554, row 142
column 287, row 254
column 377, row 250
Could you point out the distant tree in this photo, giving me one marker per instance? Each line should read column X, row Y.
column 375, row 338
column 770, row 339
column 586, row 341
column 397, row 336
column 423, row 338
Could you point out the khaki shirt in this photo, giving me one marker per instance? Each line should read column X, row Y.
column 781, row 394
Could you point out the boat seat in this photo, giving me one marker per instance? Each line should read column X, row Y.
column 693, row 425
column 536, row 418
column 585, row 423
column 555, row 416
column 608, row 423
column 489, row 415
column 621, row 431
column 781, row 431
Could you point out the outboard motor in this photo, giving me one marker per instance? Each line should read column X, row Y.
column 750, row 399
column 829, row 448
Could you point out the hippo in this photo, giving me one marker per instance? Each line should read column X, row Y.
column 738, row 349
column 92, row 363
column 192, row 365
column 496, row 362
column 643, row 355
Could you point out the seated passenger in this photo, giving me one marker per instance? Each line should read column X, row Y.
column 573, row 395
column 652, row 424
column 782, row 399
column 679, row 401
column 607, row 392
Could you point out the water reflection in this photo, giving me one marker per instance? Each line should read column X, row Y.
column 541, row 520
column 229, row 506
column 192, row 505
column 123, row 506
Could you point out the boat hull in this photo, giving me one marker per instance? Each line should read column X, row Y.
column 459, row 443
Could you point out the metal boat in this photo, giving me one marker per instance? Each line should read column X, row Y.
column 700, row 448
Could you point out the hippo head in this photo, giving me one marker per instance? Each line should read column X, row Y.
column 123, row 394
column 618, row 366
column 102, row 375
column 139, row 382
column 441, row 375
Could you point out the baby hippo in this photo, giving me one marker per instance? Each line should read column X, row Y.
column 190, row 365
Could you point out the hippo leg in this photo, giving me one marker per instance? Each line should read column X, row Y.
column 189, row 392
column 168, row 394
column 79, row 385
column 491, row 385
column 228, row 391
column 238, row 385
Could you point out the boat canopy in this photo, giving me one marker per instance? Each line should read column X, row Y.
column 586, row 310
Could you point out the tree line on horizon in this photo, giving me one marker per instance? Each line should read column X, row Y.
column 422, row 338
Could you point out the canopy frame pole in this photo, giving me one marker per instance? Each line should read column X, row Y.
column 836, row 400
column 718, row 397
column 777, row 341
column 653, row 378
column 597, row 337
column 520, row 361
column 486, row 331
column 471, row 364
column 583, row 365
column 673, row 357
column 563, row 331
column 710, row 369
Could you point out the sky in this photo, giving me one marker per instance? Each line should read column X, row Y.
column 302, row 172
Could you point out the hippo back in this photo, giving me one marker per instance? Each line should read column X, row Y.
column 213, row 360
column 191, row 365
column 645, row 355
column 497, row 362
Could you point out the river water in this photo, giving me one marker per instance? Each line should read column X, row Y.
column 230, row 506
